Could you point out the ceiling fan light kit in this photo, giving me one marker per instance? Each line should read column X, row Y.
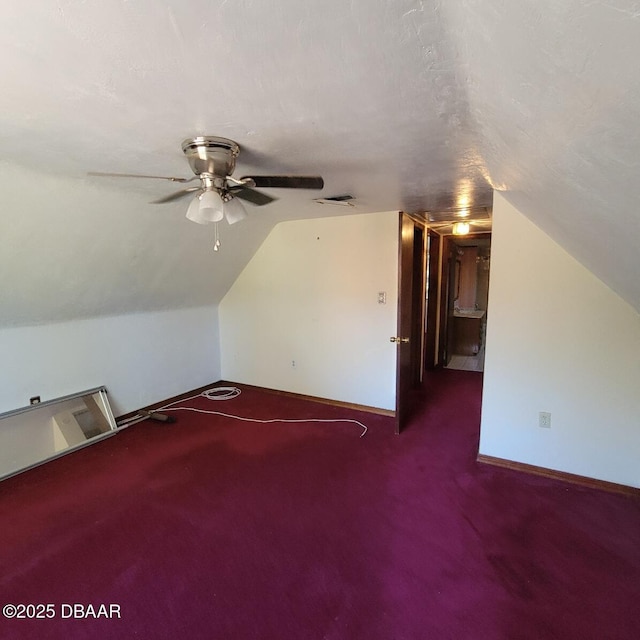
column 213, row 160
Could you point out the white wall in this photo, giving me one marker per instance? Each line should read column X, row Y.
column 310, row 295
column 561, row 341
column 140, row 358
column 95, row 247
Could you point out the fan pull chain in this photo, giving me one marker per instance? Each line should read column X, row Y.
column 216, row 244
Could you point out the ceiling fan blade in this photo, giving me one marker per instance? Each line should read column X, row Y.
column 175, row 196
column 251, row 195
column 101, row 174
column 287, row 182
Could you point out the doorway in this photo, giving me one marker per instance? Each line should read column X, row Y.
column 464, row 301
column 442, row 306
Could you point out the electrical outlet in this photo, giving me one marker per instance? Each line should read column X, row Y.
column 293, row 364
column 382, row 297
column 544, row 420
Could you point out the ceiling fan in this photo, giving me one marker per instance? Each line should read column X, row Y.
column 218, row 195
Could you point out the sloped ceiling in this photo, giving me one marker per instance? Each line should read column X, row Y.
column 405, row 105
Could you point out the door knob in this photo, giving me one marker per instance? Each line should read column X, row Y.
column 398, row 339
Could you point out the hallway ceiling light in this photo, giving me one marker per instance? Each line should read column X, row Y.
column 460, row 228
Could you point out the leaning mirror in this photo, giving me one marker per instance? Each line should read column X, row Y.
column 35, row 434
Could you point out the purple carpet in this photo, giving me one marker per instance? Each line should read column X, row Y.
column 211, row 528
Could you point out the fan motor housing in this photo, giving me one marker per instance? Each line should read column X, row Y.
column 211, row 155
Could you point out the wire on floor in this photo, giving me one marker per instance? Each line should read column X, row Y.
column 228, row 393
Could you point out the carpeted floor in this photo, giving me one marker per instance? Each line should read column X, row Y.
column 210, row 528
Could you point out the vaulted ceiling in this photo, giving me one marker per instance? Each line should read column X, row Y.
column 406, row 105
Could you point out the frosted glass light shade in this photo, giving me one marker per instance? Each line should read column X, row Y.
column 211, row 206
column 234, row 211
column 193, row 212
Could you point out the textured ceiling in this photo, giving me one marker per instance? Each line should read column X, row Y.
column 405, row 105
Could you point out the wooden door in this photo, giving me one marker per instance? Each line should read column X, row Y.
column 409, row 334
column 447, row 298
column 431, row 325
column 452, row 296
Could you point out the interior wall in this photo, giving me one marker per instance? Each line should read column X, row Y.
column 140, row 358
column 559, row 341
column 304, row 314
column 95, row 247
